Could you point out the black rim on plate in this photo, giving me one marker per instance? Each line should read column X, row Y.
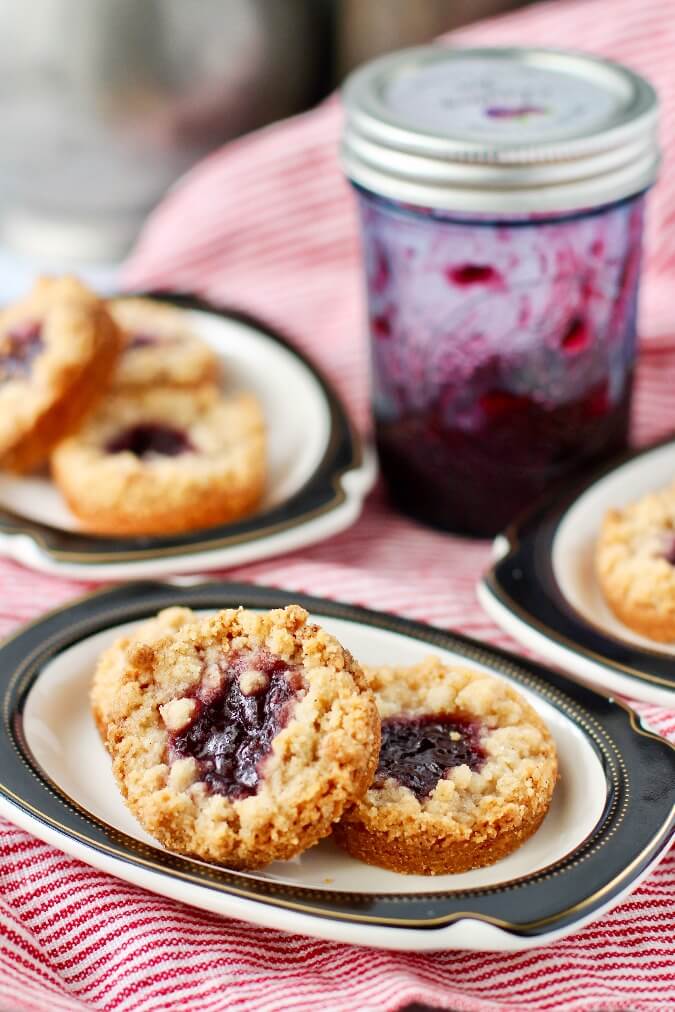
column 636, row 824
column 524, row 582
column 321, row 493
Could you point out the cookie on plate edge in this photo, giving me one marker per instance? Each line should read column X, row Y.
column 465, row 775
column 635, row 564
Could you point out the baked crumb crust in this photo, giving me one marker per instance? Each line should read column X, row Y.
column 109, row 671
column 179, row 358
column 636, row 579
column 470, row 819
column 322, row 760
column 119, row 493
column 81, row 345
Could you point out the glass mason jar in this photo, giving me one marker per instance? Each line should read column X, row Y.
column 501, row 197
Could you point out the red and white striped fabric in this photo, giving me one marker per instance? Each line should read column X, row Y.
column 268, row 224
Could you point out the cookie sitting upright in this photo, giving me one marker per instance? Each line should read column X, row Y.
column 241, row 739
column 58, row 348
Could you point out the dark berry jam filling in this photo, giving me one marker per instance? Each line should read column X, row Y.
column 18, row 348
column 234, row 725
column 419, row 751
column 141, row 341
column 150, row 438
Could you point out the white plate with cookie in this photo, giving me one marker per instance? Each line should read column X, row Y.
column 587, row 580
column 605, row 827
column 308, row 483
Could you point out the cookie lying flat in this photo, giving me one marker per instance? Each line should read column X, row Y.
column 164, row 460
column 465, row 775
column 160, row 348
column 58, row 347
column 243, row 738
column 635, row 564
column 107, row 679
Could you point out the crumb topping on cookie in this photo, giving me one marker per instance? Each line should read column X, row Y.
column 111, row 664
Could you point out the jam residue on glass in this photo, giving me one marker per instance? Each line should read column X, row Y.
column 232, row 731
column 150, row 438
column 18, row 347
column 419, row 751
column 472, row 274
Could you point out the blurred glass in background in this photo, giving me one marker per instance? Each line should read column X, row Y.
column 104, row 103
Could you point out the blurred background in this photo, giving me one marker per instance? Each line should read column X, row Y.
column 105, row 103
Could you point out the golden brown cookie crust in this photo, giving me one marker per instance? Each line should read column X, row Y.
column 321, row 761
column 81, row 345
column 109, row 671
column 178, row 358
column 470, row 819
column 636, row 579
column 120, row 493
column 431, row 855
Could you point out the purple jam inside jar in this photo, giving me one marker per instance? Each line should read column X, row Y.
column 502, row 259
column 502, row 354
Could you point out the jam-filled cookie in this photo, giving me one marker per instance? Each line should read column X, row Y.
column 165, row 460
column 160, row 347
column 635, row 564
column 107, row 679
column 58, row 347
column 465, row 774
column 243, row 738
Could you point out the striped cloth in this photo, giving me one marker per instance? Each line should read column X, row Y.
column 268, row 224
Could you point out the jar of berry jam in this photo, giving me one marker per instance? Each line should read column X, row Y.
column 501, row 196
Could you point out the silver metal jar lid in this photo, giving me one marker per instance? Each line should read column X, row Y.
column 499, row 130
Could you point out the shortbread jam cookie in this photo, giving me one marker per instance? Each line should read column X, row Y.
column 242, row 739
column 110, row 667
column 160, row 347
column 165, row 460
column 635, row 564
column 58, row 347
column 465, row 774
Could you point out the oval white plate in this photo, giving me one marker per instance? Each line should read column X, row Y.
column 311, row 448
column 589, row 832
column 570, row 623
